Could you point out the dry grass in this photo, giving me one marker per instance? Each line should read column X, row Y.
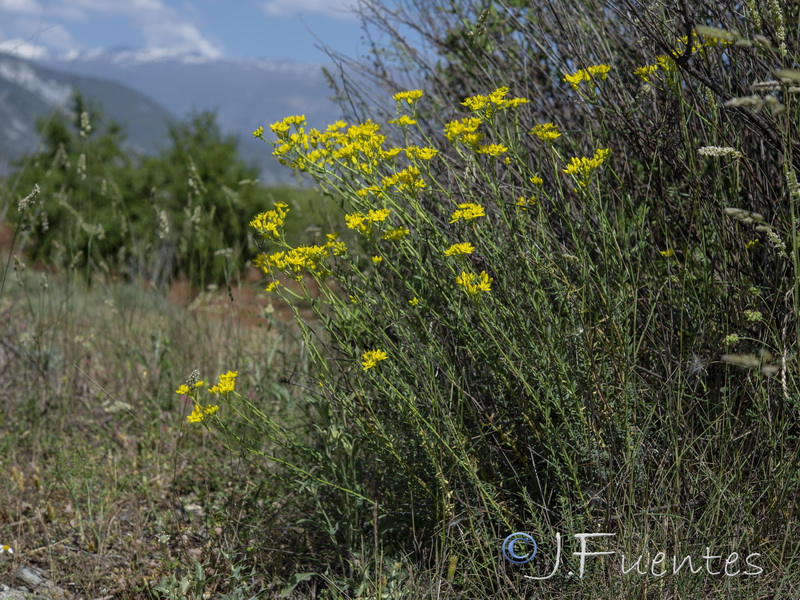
column 108, row 487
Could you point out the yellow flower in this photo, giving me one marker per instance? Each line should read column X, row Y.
column 462, row 248
column 546, row 131
column 754, row 243
column 338, row 248
column 183, row 389
column 498, row 96
column 599, row 71
column 226, row 383
column 259, row 133
column 200, row 413
column 372, row 357
column 407, row 179
column 668, row 253
column 463, row 130
column 409, row 96
column 467, row 211
column 473, row 284
column 582, row 168
column 576, row 78
column 273, row 285
column 414, row 301
column 645, row 72
column 295, row 260
column 413, row 152
column 537, row 181
column 475, row 103
column 356, row 221
column 514, row 102
column 403, row 121
column 282, row 127
column 269, row 223
column 377, row 259
column 523, row 203
column 492, row 149
column 665, row 62
column 493, row 102
column 396, row 234
column 376, row 216
column 373, row 189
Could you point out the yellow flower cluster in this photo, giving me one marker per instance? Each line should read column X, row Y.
column 582, row 168
column 359, row 148
column 546, row 131
column 184, row 389
column 226, row 383
column 464, row 131
column 462, row 248
column 493, row 102
column 414, row 152
column 492, row 149
column 407, row 179
column 645, row 72
column 409, row 96
column 524, row 203
column 467, row 211
column 396, row 234
column 587, row 74
column 473, row 284
column 283, row 127
column 269, row 223
column 200, row 413
column 402, row 121
column 372, row 358
column 667, row 63
column 363, row 223
column 308, row 258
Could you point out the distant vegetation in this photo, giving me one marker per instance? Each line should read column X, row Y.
column 102, row 209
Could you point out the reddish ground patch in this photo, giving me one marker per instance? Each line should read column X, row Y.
column 246, row 301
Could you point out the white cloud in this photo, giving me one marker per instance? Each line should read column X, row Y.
column 31, row 37
column 21, row 7
column 178, row 36
column 161, row 26
column 342, row 9
column 23, row 49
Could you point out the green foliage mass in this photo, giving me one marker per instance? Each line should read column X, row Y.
column 185, row 210
column 632, row 366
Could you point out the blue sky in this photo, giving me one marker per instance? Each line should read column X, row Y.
column 274, row 29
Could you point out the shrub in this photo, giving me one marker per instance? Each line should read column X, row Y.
column 102, row 206
column 571, row 302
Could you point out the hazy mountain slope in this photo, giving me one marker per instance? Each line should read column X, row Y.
column 245, row 93
column 29, row 91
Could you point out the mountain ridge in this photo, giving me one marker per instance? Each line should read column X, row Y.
column 245, row 93
column 29, row 91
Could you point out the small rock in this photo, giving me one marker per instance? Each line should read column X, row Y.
column 42, row 587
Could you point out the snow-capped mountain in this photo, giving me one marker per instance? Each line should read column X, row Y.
column 29, row 91
column 245, row 93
